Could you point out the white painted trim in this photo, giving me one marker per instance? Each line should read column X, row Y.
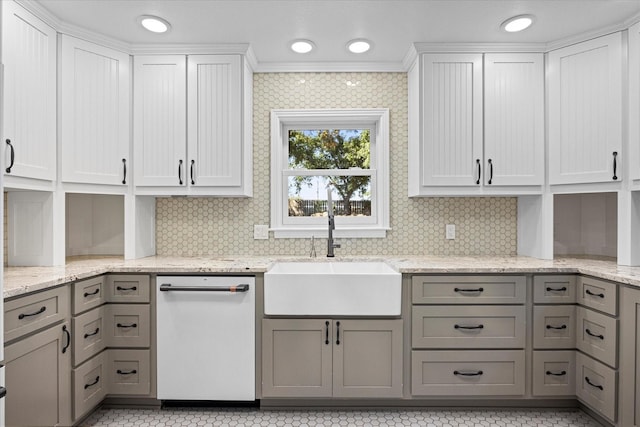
column 342, row 232
column 379, row 118
column 190, row 49
column 479, row 47
column 330, row 67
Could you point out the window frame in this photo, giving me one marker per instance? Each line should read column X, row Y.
column 376, row 119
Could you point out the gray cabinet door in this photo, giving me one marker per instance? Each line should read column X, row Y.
column 629, row 357
column 38, row 374
column 367, row 358
column 296, row 357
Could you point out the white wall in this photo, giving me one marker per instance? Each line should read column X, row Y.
column 95, row 224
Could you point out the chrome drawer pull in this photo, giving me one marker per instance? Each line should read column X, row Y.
column 120, row 288
column 594, row 335
column 557, row 374
column 92, row 333
column 133, row 371
column 468, row 290
column 469, row 327
column 468, row 374
column 23, row 315
column 562, row 289
column 87, row 294
column 557, row 327
column 133, row 325
column 86, row 386
column 592, row 384
column 588, row 292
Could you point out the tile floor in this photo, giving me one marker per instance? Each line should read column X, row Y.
column 391, row 417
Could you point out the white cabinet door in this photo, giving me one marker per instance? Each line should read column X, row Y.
column 585, row 102
column 513, row 119
column 95, row 113
column 214, row 120
column 634, row 101
column 29, row 57
column 451, row 152
column 159, row 111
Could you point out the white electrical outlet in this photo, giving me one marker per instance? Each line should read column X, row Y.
column 260, row 232
column 450, row 231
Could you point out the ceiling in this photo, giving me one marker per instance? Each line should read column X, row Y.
column 392, row 25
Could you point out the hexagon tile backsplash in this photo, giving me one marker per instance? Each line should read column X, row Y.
column 224, row 226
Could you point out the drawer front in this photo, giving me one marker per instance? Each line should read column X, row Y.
column 453, row 289
column 127, row 288
column 555, row 289
column 554, row 326
column 89, row 335
column 88, row 294
column 596, row 386
column 597, row 335
column 554, row 373
column 465, row 373
column 598, row 294
column 129, row 372
column 30, row 313
column 468, row 326
column 89, row 385
column 128, row 325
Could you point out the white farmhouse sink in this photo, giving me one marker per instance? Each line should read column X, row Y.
column 332, row 288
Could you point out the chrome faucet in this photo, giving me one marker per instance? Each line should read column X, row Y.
column 330, row 244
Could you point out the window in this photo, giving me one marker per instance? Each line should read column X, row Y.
column 344, row 150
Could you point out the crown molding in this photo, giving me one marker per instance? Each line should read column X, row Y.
column 480, row 47
column 410, row 57
column 588, row 35
column 189, row 49
column 330, row 67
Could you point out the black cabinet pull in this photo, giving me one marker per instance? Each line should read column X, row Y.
column 120, row 288
column 92, row 333
column 133, row 325
column 87, row 294
column 479, row 170
column 594, row 335
column 124, row 171
column 337, row 333
column 167, row 287
column 562, row 289
column 68, row 334
column 468, row 374
column 468, row 290
column 180, row 171
column 86, row 386
column 3, row 392
column 557, row 374
column 592, row 384
column 615, row 165
column 193, row 162
column 490, row 172
column 326, row 334
column 469, row 327
column 588, row 292
column 557, row 327
column 13, row 156
column 121, row 372
column 23, row 315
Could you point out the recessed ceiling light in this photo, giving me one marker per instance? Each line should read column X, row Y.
column 517, row 23
column 154, row 23
column 359, row 46
column 302, row 46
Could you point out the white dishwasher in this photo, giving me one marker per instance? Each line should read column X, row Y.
column 206, row 337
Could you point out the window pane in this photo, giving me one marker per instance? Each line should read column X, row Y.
column 329, row 149
column 308, row 195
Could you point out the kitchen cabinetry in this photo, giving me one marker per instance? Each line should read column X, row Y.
column 634, row 101
column 196, row 142
column 448, row 153
column 95, row 113
column 331, row 358
column 585, row 112
column 29, row 109
column 629, row 409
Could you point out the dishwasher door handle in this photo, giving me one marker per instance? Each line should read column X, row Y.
column 165, row 287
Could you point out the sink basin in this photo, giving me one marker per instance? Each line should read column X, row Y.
column 332, row 288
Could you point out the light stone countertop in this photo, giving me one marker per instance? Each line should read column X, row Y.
column 22, row 280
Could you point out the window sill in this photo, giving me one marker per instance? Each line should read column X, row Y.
column 338, row 233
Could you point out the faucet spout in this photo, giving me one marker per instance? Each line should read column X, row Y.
column 331, row 245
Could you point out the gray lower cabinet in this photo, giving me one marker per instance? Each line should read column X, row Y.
column 629, row 402
column 331, row 358
column 38, row 376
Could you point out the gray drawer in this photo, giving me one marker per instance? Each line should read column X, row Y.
column 598, row 294
column 129, row 372
column 30, row 313
column 453, row 289
column 467, row 373
column 123, row 288
column 89, row 385
column 554, row 289
column 554, row 326
column 597, row 335
column 596, row 386
column 458, row 326
column 88, row 294
column 89, row 337
column 554, row 373
column 128, row 325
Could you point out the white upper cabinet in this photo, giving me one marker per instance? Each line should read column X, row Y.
column 634, row 102
column 29, row 57
column 472, row 133
column 585, row 112
column 95, row 113
column 191, row 125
